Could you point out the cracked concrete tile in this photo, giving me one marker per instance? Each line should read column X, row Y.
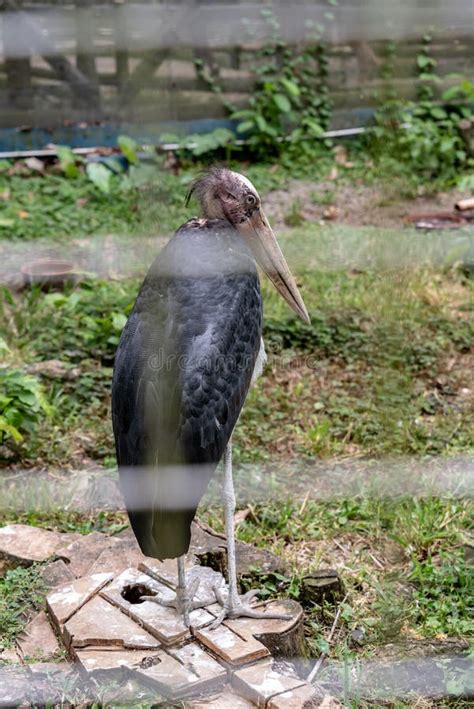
column 25, row 545
column 164, row 623
column 230, row 647
column 65, row 600
column 260, row 682
column 100, row 623
column 38, row 640
column 297, row 698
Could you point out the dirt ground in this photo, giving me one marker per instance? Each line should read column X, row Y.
column 356, row 204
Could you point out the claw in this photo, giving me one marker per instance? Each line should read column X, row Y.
column 241, row 608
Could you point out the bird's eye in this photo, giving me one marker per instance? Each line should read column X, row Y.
column 251, row 200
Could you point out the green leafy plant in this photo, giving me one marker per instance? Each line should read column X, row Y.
column 22, row 404
column 21, row 591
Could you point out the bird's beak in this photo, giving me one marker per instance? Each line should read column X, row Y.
column 262, row 241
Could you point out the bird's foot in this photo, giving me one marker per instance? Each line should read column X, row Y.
column 183, row 602
column 240, row 607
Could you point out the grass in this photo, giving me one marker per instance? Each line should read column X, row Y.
column 383, row 373
column 21, row 593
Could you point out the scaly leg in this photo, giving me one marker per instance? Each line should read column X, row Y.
column 234, row 605
column 184, row 601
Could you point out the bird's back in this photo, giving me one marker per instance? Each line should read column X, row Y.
column 182, row 371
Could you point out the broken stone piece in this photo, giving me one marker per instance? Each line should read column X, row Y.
column 261, row 681
column 56, row 573
column 38, row 640
column 164, row 623
column 83, row 552
column 24, row 545
column 186, row 671
column 99, row 623
column 233, row 649
column 229, row 699
column 64, row 601
column 298, row 698
column 102, row 659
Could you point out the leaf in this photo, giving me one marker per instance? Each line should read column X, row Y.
column 282, row 103
column 439, row 113
column 9, row 430
column 118, row 321
column 99, row 175
column 129, row 148
column 6, row 222
column 245, row 126
column 290, row 86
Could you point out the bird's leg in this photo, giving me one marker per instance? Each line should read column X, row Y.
column 234, row 605
column 183, row 602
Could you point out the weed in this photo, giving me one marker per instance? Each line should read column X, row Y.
column 21, row 592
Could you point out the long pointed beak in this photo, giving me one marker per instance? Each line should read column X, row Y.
column 262, row 241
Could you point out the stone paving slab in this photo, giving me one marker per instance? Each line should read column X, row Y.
column 23, row 544
column 164, row 623
column 38, row 640
column 304, row 696
column 100, row 623
column 66, row 600
column 186, row 672
column 260, row 682
column 231, row 647
column 144, row 644
column 227, row 699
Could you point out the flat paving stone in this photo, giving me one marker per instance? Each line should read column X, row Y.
column 125, row 553
column 175, row 679
column 25, row 545
column 164, row 623
column 100, row 623
column 261, row 681
column 298, row 698
column 227, row 699
column 230, row 647
column 56, row 573
column 64, row 601
column 102, row 659
column 82, row 553
column 38, row 640
column 14, row 686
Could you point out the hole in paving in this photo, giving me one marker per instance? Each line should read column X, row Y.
column 133, row 592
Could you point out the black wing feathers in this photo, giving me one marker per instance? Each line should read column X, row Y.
column 182, row 372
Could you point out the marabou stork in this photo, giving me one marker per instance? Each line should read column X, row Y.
column 187, row 356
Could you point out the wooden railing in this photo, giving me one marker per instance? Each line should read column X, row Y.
column 127, row 61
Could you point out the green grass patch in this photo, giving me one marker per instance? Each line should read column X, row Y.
column 21, row 592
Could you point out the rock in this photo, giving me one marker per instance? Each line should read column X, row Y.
column 121, row 555
column 304, row 696
column 260, row 682
column 22, row 544
column 163, row 623
column 321, row 586
column 56, row 573
column 228, row 698
column 14, row 686
column 54, row 369
column 84, row 551
column 66, row 600
column 245, row 640
column 184, row 671
column 99, row 623
column 38, row 640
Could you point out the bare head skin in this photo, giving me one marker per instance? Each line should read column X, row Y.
column 224, row 194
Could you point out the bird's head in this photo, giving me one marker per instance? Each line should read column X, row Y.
column 228, row 195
